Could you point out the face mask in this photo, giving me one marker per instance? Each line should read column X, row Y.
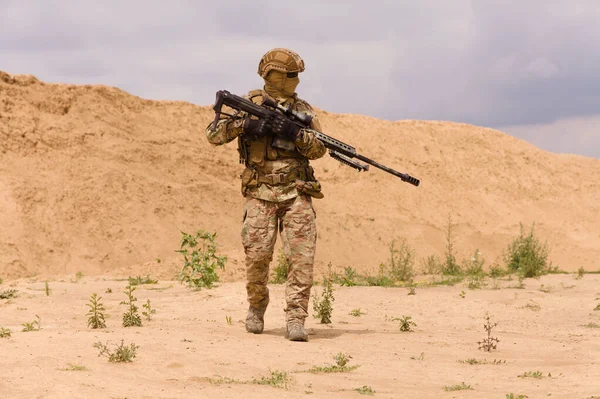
column 280, row 86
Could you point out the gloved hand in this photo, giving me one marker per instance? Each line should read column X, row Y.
column 283, row 127
column 256, row 128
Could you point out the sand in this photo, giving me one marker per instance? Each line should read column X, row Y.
column 99, row 182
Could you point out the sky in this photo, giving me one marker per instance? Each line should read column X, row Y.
column 529, row 68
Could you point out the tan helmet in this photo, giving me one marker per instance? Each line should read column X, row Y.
column 280, row 59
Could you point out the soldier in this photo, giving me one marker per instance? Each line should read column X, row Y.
column 278, row 185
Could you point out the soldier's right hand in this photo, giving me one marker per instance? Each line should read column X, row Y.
column 256, row 128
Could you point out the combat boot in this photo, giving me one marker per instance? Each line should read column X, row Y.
column 296, row 332
column 255, row 321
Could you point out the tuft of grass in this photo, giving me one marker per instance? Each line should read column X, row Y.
column 324, row 307
column 458, row 387
column 5, row 332
column 591, row 325
column 341, row 366
column 96, row 312
column 8, row 294
column 526, row 255
column 281, row 270
column 532, row 374
column 200, row 260
column 32, row 326
column 47, row 288
column 228, row 320
column 149, row 311
column 277, row 379
column 489, row 343
column 131, row 317
column 121, row 354
column 365, row 390
column 142, row 280
column 356, row 312
column 75, row 367
column 472, row 361
column 512, row 396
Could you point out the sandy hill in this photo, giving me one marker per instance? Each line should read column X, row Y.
column 96, row 180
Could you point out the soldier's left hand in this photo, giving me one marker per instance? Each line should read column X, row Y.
column 283, row 127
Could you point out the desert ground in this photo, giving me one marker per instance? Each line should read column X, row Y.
column 97, row 185
column 190, row 350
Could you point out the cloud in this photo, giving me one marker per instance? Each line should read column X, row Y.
column 483, row 62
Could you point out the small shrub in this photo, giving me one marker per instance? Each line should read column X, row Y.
column 400, row 264
column 497, row 271
column 512, row 396
column 96, row 313
column 381, row 280
column 531, row 374
column 142, row 280
column 580, row 273
column 450, row 267
column 349, row 277
column 324, row 307
column 281, row 270
column 5, row 332
column 78, row 276
column 149, row 311
column 341, row 366
column 406, row 323
column 526, row 255
column 489, row 343
column 458, row 387
column 277, row 379
column 131, row 317
column 356, row 312
column 432, row 265
column 32, row 326
column 365, row 390
column 121, row 354
column 200, row 265
column 8, row 294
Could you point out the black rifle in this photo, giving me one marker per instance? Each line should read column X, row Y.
column 338, row 150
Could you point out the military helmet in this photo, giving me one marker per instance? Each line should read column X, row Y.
column 280, row 59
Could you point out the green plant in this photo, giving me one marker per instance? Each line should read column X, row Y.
column 497, row 271
column 531, row 374
column 47, row 288
column 78, row 276
column 8, row 294
column 32, row 326
column 5, row 332
column 356, row 312
column 142, row 280
column 75, row 367
column 228, row 320
column 462, row 294
column 526, row 255
column 121, row 354
column 432, row 265
column 489, row 343
column 401, row 261
column 382, row 279
column 349, row 278
column 512, row 396
column 96, row 312
column 580, row 273
column 324, row 307
column 458, row 387
column 108, row 291
column 131, row 317
column 365, row 390
column 281, row 270
column 200, row 265
column 341, row 366
column 277, row 379
column 450, row 267
column 406, row 323
column 149, row 310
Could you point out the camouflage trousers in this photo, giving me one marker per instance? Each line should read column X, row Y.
column 295, row 220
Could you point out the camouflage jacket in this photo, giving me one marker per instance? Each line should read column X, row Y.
column 272, row 173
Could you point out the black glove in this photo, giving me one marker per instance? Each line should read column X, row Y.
column 283, row 127
column 256, row 128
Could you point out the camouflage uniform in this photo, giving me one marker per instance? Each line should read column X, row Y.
column 278, row 184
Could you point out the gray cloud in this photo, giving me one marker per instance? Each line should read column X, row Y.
column 483, row 62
